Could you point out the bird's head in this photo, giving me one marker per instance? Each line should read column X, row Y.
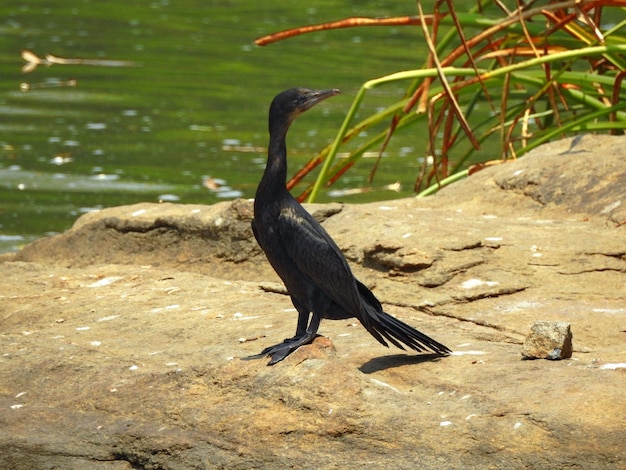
column 291, row 103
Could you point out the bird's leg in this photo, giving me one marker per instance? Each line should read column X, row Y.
column 303, row 321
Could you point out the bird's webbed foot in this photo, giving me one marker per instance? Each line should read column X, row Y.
column 280, row 351
column 304, row 335
column 288, row 340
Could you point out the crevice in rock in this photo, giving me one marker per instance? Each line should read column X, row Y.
column 131, row 459
column 464, row 245
column 620, row 255
column 325, row 211
column 504, row 290
column 482, row 323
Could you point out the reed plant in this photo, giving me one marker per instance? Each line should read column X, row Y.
column 546, row 69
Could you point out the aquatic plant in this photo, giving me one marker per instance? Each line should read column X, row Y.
column 546, row 69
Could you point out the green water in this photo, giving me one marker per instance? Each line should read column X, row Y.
column 192, row 106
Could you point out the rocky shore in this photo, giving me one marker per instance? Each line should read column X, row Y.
column 121, row 339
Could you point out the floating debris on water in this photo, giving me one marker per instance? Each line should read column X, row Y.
column 168, row 198
column 61, row 159
column 32, row 61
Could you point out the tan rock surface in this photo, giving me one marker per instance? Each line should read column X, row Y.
column 120, row 339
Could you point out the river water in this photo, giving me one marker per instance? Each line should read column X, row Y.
column 171, row 102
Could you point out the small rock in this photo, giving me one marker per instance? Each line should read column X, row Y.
column 320, row 348
column 548, row 340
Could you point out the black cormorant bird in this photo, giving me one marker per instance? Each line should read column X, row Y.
column 312, row 267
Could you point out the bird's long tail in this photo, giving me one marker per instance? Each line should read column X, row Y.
column 383, row 326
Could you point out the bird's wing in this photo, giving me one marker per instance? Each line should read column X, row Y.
column 317, row 256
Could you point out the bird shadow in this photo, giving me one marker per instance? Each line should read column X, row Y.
column 396, row 360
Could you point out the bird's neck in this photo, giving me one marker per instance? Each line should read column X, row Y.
column 275, row 177
column 277, row 159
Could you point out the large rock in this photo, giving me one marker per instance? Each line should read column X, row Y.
column 120, row 339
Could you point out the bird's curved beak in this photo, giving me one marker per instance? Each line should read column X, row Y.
column 315, row 96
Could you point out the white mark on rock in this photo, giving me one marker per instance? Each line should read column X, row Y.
column 467, row 353
column 472, row 283
column 105, row 281
column 522, row 305
column 445, row 423
column 618, row 365
column 611, row 206
column 109, row 318
column 384, row 384
column 138, row 212
column 83, row 328
column 240, row 316
column 160, row 309
column 609, row 310
column 517, row 425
